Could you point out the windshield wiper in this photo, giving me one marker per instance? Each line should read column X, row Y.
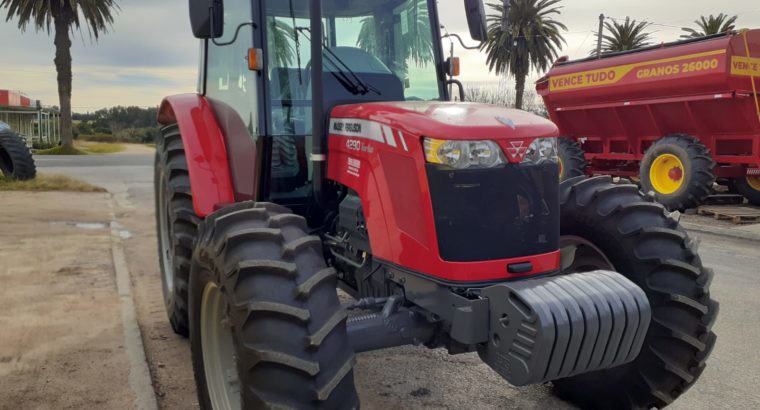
column 345, row 76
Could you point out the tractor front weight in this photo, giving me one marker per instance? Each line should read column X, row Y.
column 528, row 331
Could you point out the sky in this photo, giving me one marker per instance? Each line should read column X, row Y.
column 150, row 51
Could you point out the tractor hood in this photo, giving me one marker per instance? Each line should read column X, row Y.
column 452, row 120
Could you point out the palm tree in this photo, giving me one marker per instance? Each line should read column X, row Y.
column 283, row 39
column 64, row 16
column 710, row 25
column 417, row 42
column 625, row 36
column 532, row 41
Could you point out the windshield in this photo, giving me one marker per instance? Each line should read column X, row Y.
column 379, row 49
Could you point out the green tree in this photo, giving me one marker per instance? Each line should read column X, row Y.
column 711, row 25
column 283, row 39
column 63, row 17
column 625, row 36
column 417, row 42
column 532, row 41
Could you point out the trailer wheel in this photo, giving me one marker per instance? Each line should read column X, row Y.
column 176, row 223
column 615, row 227
column 748, row 187
column 679, row 170
column 572, row 159
column 16, row 160
column 266, row 327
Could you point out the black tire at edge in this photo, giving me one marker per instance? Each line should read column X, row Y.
column 573, row 158
column 699, row 175
column 171, row 164
column 646, row 245
column 741, row 187
column 16, row 161
column 289, row 328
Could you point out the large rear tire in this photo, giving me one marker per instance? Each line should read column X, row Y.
column 572, row 159
column 16, row 160
column 258, row 273
column 611, row 226
column 679, row 170
column 177, row 225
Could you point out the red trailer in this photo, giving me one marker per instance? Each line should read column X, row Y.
column 679, row 116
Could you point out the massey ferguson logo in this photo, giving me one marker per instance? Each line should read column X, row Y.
column 517, row 151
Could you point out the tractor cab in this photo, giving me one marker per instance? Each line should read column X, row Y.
column 371, row 51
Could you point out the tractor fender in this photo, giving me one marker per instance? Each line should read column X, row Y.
column 205, row 148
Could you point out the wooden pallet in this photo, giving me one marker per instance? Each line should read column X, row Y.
column 723, row 199
column 736, row 214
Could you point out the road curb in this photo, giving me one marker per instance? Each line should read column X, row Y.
column 720, row 231
column 140, row 380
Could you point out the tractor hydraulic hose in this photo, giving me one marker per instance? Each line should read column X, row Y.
column 318, row 137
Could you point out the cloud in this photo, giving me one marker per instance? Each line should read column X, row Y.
column 150, row 52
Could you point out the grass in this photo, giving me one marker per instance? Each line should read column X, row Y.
column 46, row 183
column 60, row 151
column 84, row 148
column 102, row 148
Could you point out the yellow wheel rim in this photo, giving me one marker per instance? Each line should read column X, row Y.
column 561, row 168
column 754, row 182
column 666, row 174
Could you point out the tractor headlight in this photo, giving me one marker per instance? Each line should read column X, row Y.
column 542, row 149
column 463, row 154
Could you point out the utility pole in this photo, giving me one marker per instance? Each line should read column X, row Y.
column 599, row 37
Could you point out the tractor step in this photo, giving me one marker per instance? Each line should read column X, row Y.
column 551, row 328
column 737, row 214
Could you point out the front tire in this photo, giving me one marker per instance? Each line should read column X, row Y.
column 176, row 223
column 16, row 160
column 679, row 170
column 282, row 340
column 615, row 227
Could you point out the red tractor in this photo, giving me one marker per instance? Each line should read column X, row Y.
column 320, row 152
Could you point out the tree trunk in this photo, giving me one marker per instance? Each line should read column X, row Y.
column 63, row 67
column 519, row 90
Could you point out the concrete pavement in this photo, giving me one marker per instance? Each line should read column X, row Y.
column 415, row 377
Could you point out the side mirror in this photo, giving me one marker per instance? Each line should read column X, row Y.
column 207, row 18
column 476, row 19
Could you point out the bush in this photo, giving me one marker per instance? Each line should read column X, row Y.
column 503, row 93
column 42, row 145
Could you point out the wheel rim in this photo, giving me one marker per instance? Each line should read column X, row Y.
column 580, row 255
column 754, row 182
column 219, row 361
column 165, row 237
column 666, row 174
column 561, row 168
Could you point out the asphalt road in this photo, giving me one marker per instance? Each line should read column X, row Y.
column 416, row 377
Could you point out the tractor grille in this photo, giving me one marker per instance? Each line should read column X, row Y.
column 497, row 213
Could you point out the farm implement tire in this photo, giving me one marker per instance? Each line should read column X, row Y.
column 16, row 160
column 177, row 225
column 266, row 327
column 613, row 226
column 679, row 170
column 572, row 160
column 749, row 187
